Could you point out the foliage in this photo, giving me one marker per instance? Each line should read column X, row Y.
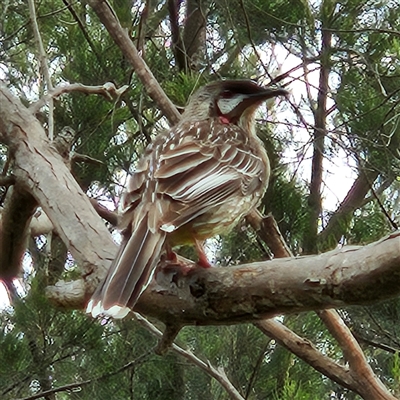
column 43, row 347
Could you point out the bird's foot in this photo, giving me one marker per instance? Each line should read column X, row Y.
column 203, row 261
column 172, row 262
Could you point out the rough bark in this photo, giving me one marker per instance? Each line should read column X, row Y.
column 194, row 35
column 177, row 44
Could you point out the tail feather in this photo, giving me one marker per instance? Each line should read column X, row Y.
column 130, row 272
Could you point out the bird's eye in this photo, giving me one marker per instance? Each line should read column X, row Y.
column 227, row 94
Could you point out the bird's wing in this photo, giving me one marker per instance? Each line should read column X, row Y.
column 201, row 172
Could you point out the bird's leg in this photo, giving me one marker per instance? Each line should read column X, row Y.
column 172, row 262
column 171, row 255
column 203, row 260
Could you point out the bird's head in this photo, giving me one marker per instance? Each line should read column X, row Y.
column 232, row 101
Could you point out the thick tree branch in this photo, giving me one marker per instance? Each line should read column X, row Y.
column 177, row 44
column 314, row 198
column 360, row 377
column 250, row 292
column 267, row 229
column 194, row 34
column 355, row 198
column 16, row 219
column 18, row 210
column 305, row 350
column 7, row 180
column 40, row 170
column 105, row 213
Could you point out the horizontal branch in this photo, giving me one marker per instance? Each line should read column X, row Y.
column 250, row 292
column 108, row 90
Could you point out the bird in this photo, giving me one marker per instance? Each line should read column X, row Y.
column 196, row 180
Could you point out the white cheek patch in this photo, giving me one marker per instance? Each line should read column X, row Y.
column 225, row 106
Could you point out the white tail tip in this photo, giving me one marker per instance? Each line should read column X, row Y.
column 115, row 311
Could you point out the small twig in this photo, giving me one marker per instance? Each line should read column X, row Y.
column 77, row 157
column 108, row 90
column 217, row 373
column 369, row 342
column 256, row 369
column 392, row 222
column 7, row 181
column 82, row 27
column 43, row 64
column 246, row 18
column 286, row 74
column 167, row 339
column 109, row 216
column 74, row 385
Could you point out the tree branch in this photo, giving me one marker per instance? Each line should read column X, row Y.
column 268, row 230
column 250, row 292
column 338, row 223
column 305, row 350
column 105, row 213
column 314, row 198
column 43, row 64
column 217, row 373
column 19, row 208
column 40, row 170
column 108, row 90
column 177, row 44
column 372, row 388
column 121, row 38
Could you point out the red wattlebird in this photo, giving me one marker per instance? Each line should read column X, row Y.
column 196, row 180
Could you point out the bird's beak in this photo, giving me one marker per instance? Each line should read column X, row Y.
column 266, row 93
column 254, row 99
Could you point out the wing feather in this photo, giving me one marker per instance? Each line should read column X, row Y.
column 199, row 175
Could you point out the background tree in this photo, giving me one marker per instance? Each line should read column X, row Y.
column 77, row 70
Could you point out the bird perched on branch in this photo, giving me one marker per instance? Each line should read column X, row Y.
column 196, row 180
